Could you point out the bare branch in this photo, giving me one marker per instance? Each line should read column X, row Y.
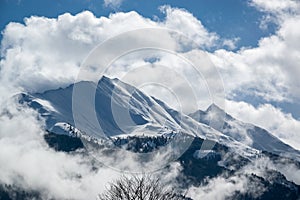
column 139, row 188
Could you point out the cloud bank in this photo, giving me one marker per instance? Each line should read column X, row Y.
column 46, row 53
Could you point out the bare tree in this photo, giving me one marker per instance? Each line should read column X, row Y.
column 139, row 188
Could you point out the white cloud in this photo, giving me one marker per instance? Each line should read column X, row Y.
column 219, row 188
column 276, row 6
column 226, row 185
column 184, row 22
column 260, row 166
column 290, row 171
column 269, row 71
column 27, row 161
column 231, row 43
column 114, row 4
column 46, row 53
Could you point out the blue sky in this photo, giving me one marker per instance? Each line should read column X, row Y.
column 229, row 19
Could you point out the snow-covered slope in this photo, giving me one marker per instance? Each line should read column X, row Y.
column 245, row 133
column 146, row 116
column 149, row 115
column 124, row 111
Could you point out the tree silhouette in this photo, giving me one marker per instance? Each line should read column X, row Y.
column 139, row 188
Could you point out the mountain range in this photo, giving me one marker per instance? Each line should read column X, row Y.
column 133, row 120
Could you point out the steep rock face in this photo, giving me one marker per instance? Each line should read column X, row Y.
column 245, row 133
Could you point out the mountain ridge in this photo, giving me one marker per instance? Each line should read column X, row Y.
column 259, row 138
column 150, row 115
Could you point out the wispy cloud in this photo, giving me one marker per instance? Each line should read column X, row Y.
column 114, row 4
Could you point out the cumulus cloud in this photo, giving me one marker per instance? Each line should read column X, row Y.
column 269, row 71
column 276, row 5
column 181, row 20
column 46, row 53
column 258, row 72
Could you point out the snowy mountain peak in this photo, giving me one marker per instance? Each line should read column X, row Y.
column 214, row 108
column 108, row 81
column 123, row 110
